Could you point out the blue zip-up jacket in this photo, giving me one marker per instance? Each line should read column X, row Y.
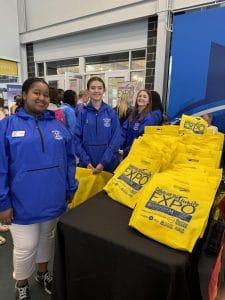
column 134, row 130
column 70, row 117
column 158, row 117
column 37, row 167
column 98, row 137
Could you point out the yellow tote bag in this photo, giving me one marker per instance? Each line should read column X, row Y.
column 172, row 212
column 193, row 124
column 162, row 130
column 89, row 185
column 130, row 178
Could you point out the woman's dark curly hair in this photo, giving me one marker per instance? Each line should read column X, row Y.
column 70, row 97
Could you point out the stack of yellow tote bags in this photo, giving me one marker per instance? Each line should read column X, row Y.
column 170, row 179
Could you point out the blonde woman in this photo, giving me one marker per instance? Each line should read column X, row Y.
column 122, row 108
column 83, row 99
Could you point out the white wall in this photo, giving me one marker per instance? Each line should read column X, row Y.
column 46, row 19
column 116, row 38
column 79, row 23
column 57, row 11
column 9, row 33
column 184, row 4
column 41, row 20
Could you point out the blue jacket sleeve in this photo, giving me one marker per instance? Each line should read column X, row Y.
column 5, row 202
column 114, row 143
column 125, row 143
column 147, row 121
column 72, row 183
column 158, row 117
column 84, row 158
column 124, row 133
column 128, row 140
column 70, row 119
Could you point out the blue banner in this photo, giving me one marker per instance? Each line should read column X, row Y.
column 198, row 66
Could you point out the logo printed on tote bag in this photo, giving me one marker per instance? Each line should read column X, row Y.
column 172, row 204
column 195, row 127
column 135, row 177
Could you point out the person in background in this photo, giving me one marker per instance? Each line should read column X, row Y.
column 83, row 99
column 2, row 111
column 3, row 227
column 54, row 105
column 157, row 108
column 60, row 95
column 53, row 96
column 68, row 107
column 98, row 134
column 122, row 108
column 140, row 117
column 37, row 167
column 17, row 100
column 208, row 118
column 2, row 239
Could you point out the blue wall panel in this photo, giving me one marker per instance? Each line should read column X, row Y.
column 198, row 65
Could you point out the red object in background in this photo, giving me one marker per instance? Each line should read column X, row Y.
column 222, row 208
column 213, row 283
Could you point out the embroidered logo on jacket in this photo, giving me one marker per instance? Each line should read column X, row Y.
column 57, row 135
column 107, row 122
column 136, row 126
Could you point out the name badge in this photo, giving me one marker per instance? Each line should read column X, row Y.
column 18, row 133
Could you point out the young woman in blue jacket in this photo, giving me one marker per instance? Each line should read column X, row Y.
column 140, row 117
column 97, row 131
column 37, row 168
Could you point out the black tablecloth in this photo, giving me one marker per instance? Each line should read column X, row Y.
column 99, row 257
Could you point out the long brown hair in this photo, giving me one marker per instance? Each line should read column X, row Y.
column 147, row 109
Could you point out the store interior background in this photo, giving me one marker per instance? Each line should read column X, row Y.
column 122, row 41
column 68, row 41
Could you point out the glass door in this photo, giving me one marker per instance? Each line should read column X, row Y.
column 56, row 81
column 113, row 80
column 73, row 81
column 67, row 81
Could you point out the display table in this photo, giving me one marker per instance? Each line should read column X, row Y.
column 99, row 257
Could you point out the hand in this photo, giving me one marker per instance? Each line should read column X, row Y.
column 99, row 168
column 69, row 199
column 6, row 216
column 89, row 166
column 120, row 151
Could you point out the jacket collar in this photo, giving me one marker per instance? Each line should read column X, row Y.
column 90, row 106
column 45, row 115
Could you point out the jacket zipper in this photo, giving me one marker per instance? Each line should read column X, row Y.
column 41, row 136
column 96, row 123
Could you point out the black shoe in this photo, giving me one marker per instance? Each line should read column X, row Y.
column 23, row 292
column 45, row 279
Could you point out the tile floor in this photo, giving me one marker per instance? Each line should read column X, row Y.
column 6, row 281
